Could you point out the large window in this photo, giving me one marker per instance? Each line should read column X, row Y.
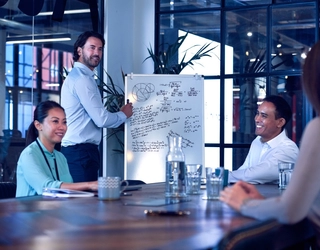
column 261, row 47
column 35, row 49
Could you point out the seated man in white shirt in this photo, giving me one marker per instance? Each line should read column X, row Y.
column 270, row 146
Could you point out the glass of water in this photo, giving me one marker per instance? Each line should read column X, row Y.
column 214, row 182
column 285, row 171
column 193, row 178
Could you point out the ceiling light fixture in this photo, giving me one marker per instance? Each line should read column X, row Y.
column 66, row 12
column 38, row 38
column 53, row 85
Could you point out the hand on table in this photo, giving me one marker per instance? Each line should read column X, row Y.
column 235, row 195
column 93, row 185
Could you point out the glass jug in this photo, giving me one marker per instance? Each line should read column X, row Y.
column 175, row 169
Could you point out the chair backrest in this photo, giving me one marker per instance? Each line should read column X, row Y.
column 270, row 234
column 254, row 236
column 12, row 133
column 7, row 190
column 135, row 182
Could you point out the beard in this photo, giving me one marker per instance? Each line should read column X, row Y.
column 92, row 61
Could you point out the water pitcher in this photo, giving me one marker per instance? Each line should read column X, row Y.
column 175, row 169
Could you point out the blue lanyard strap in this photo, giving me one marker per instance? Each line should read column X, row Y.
column 55, row 163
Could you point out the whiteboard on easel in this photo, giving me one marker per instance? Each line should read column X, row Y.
column 163, row 105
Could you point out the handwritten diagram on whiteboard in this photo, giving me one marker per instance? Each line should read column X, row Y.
column 163, row 105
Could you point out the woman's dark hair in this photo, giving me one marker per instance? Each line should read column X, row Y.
column 283, row 110
column 39, row 114
column 82, row 39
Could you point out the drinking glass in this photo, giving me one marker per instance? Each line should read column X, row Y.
column 193, row 178
column 285, row 171
column 214, row 183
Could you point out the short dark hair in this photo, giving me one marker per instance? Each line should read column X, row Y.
column 283, row 109
column 39, row 114
column 82, row 39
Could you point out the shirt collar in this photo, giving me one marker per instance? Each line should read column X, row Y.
column 276, row 140
column 46, row 150
column 84, row 67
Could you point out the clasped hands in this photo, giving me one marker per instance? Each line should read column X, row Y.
column 239, row 193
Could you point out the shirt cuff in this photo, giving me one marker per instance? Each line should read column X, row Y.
column 122, row 116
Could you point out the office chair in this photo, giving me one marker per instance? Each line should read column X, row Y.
column 7, row 190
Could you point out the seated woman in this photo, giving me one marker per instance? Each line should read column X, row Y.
column 40, row 165
column 302, row 197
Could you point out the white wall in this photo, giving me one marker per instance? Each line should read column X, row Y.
column 129, row 31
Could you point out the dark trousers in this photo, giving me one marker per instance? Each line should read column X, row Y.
column 83, row 160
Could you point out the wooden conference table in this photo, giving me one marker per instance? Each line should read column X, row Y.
column 88, row 223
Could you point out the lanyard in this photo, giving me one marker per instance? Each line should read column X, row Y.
column 55, row 163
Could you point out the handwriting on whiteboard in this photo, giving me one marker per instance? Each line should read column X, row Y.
column 155, row 146
column 164, row 109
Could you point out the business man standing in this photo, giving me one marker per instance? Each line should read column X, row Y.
column 85, row 112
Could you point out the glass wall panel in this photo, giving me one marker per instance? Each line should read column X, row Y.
column 212, row 111
column 289, row 87
column 8, row 118
column 205, row 25
column 206, row 65
column 245, row 105
column 246, row 36
column 228, row 111
column 244, row 3
column 212, row 158
column 50, row 69
column 234, row 157
column 238, row 157
column 9, row 66
column 36, row 47
column 247, row 94
column 67, row 63
column 25, row 111
column 27, row 71
column 166, row 5
column 293, row 33
column 289, row 1
column 203, row 28
column 195, row 23
column 265, row 47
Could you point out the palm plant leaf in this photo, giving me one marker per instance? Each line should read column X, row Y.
column 114, row 98
column 203, row 51
column 165, row 61
column 260, row 64
column 113, row 101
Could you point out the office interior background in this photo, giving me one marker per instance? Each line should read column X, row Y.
column 259, row 48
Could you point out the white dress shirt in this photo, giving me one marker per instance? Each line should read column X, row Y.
column 86, row 115
column 261, row 164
